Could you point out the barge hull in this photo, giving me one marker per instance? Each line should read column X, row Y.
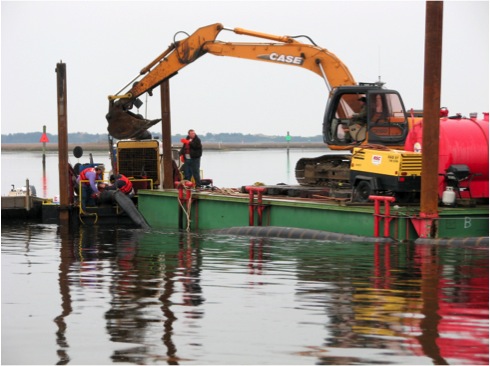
column 211, row 211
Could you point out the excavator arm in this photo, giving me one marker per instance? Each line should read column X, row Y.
column 285, row 50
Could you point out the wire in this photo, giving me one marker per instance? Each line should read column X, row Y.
column 128, row 84
column 307, row 37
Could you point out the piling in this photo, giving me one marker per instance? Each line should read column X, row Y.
column 28, row 196
column 168, row 175
column 432, row 102
column 44, row 139
column 62, row 142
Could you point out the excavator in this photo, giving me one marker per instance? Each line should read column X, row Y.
column 384, row 119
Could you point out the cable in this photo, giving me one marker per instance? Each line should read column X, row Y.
column 307, row 37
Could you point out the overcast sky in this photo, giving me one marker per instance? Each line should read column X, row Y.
column 105, row 44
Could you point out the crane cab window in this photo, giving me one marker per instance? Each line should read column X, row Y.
column 387, row 123
column 380, row 119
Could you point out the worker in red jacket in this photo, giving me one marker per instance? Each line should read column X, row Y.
column 88, row 178
column 191, row 152
column 121, row 182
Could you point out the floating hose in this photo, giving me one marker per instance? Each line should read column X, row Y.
column 128, row 206
column 296, row 233
column 475, row 241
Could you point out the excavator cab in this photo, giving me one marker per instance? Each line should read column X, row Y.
column 363, row 114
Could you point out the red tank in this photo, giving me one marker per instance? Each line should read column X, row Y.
column 462, row 141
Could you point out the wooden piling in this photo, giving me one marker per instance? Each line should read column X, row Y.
column 432, row 100
column 168, row 174
column 63, row 143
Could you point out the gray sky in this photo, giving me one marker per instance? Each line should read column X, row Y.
column 105, row 44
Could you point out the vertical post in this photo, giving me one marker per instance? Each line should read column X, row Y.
column 44, row 161
column 168, row 173
column 28, row 196
column 260, row 207
column 62, row 142
column 432, row 101
column 251, row 208
column 387, row 219
column 44, row 147
column 377, row 217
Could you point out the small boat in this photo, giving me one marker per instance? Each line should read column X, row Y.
column 16, row 192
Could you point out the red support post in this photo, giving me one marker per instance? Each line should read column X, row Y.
column 252, row 204
column 251, row 208
column 377, row 214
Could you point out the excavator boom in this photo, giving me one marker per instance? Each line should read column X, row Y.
column 286, row 50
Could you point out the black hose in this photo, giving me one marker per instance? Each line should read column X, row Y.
column 128, row 206
column 296, row 233
column 474, row 241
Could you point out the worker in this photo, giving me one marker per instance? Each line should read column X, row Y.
column 90, row 190
column 192, row 152
column 356, row 130
column 361, row 117
column 121, row 182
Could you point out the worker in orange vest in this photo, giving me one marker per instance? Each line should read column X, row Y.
column 89, row 189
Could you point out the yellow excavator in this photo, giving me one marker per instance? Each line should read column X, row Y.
column 346, row 124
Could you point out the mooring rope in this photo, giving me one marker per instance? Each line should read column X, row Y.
column 189, row 202
column 84, row 213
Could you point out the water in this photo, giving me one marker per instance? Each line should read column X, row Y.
column 228, row 169
column 107, row 295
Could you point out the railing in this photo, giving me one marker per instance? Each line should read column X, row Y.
column 378, row 215
column 149, row 185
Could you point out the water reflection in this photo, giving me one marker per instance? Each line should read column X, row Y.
column 407, row 307
column 174, row 297
column 67, row 258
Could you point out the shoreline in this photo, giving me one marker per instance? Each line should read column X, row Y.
column 103, row 146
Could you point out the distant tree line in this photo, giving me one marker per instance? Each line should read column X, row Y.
column 82, row 137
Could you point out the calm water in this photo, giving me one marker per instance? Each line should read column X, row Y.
column 105, row 295
column 228, row 169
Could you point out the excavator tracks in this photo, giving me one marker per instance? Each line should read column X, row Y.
column 326, row 171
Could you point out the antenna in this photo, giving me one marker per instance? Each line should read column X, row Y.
column 379, row 82
column 379, row 63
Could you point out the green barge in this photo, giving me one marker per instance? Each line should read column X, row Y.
column 198, row 211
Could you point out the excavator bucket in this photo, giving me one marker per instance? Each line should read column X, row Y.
column 124, row 124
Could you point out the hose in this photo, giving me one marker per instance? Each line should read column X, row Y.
column 296, row 233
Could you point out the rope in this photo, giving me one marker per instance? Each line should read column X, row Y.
column 189, row 202
column 228, row 191
column 84, row 213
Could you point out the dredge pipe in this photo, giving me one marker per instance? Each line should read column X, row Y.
column 473, row 241
column 296, row 233
column 128, row 206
